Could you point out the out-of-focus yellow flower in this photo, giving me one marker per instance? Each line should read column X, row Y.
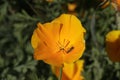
column 113, row 45
column 116, row 4
column 71, row 71
column 60, row 41
column 49, row 0
column 105, row 3
column 72, row 6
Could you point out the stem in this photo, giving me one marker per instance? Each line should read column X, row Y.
column 60, row 76
column 92, row 29
column 32, row 8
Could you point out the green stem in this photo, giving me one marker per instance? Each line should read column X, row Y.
column 60, row 76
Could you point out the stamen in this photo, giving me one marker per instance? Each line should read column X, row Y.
column 67, row 43
column 63, row 41
column 61, row 25
column 62, row 47
column 45, row 43
column 59, row 43
column 69, row 50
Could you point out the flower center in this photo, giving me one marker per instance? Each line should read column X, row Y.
column 65, row 46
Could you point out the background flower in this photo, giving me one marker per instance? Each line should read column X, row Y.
column 113, row 45
column 71, row 7
column 71, row 71
column 116, row 4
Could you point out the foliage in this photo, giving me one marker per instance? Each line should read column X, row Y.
column 18, row 19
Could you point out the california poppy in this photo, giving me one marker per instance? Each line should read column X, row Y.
column 60, row 41
column 113, row 45
column 104, row 3
column 116, row 4
column 49, row 0
column 71, row 71
column 71, row 8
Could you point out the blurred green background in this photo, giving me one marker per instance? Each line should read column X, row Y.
column 18, row 19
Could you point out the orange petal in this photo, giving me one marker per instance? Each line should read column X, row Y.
column 54, row 28
column 77, row 52
column 72, row 6
column 35, row 40
column 72, row 27
column 68, row 69
column 78, row 70
column 55, row 59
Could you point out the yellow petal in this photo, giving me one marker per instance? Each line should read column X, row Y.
column 35, row 40
column 72, row 6
column 68, row 69
column 47, row 38
column 112, row 36
column 72, row 27
column 71, row 71
column 78, row 70
column 47, row 48
column 55, row 59
column 77, row 51
column 54, row 28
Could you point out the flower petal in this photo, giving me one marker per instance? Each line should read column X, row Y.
column 72, row 27
column 77, row 51
column 68, row 69
column 78, row 70
column 35, row 40
column 54, row 28
column 71, row 71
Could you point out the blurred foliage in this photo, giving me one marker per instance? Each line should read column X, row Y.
column 18, row 19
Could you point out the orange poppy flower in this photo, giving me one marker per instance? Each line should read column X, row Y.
column 71, row 71
column 113, row 45
column 60, row 41
column 104, row 3
column 71, row 6
column 116, row 4
column 49, row 0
